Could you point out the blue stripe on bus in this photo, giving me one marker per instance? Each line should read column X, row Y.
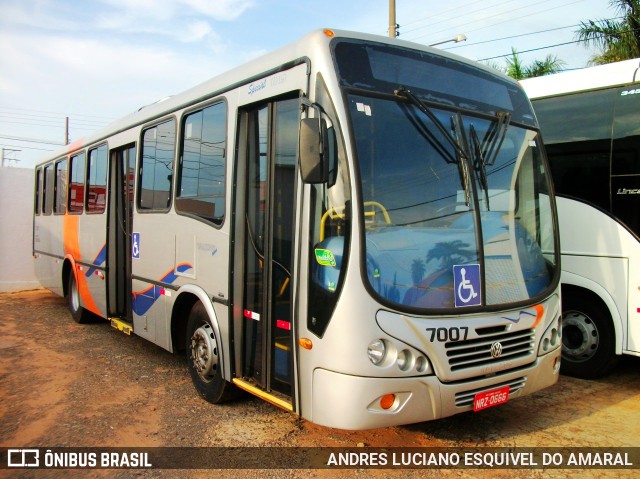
column 143, row 300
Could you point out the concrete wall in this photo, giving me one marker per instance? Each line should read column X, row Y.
column 16, row 230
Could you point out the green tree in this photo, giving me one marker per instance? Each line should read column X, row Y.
column 516, row 69
column 618, row 38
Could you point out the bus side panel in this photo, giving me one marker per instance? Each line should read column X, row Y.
column 633, row 318
column 84, row 242
column 48, row 264
column 154, row 276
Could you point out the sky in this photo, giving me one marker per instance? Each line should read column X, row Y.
column 97, row 60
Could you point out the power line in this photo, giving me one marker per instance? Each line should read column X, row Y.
column 31, row 140
column 28, row 147
column 40, row 113
column 482, row 19
column 548, row 46
column 512, row 36
column 432, row 23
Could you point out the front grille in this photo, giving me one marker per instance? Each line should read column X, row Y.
column 465, row 398
column 477, row 352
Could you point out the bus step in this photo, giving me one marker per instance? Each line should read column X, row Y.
column 275, row 400
column 121, row 325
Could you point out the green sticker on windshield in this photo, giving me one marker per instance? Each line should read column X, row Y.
column 324, row 257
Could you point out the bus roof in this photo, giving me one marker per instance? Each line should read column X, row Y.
column 592, row 78
column 279, row 59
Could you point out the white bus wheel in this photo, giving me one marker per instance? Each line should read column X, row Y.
column 588, row 337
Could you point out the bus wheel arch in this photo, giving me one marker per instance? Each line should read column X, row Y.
column 588, row 334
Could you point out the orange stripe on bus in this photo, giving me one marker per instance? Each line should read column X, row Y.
column 71, row 239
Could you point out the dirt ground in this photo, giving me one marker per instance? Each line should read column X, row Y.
column 65, row 384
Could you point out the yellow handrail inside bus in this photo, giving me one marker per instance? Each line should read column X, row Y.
column 338, row 212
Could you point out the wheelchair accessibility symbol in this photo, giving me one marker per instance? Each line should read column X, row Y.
column 466, row 281
column 135, row 245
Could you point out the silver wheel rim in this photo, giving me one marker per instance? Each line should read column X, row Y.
column 204, row 352
column 75, row 297
column 580, row 337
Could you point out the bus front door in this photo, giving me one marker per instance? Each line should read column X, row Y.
column 270, row 135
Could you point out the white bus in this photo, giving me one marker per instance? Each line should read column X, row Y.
column 356, row 229
column 590, row 122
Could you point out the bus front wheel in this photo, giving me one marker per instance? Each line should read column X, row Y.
column 588, row 337
column 203, row 357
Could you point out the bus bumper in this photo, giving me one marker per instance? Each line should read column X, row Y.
column 352, row 402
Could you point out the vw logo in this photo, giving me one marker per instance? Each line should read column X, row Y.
column 496, row 350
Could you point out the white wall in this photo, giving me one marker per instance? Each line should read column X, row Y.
column 16, row 230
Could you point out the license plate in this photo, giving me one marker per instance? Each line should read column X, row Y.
column 490, row 398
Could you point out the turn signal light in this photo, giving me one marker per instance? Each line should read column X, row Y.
column 387, row 401
column 305, row 343
column 329, row 33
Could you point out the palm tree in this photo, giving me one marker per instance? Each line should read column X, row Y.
column 516, row 69
column 619, row 38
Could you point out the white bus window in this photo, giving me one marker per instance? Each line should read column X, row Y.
column 201, row 190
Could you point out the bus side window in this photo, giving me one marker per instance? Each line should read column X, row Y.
column 47, row 200
column 330, row 226
column 625, row 158
column 97, row 180
column 60, row 199
column 201, row 175
column 37, row 206
column 76, row 183
column 156, row 174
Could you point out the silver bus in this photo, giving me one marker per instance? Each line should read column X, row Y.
column 356, row 229
column 590, row 121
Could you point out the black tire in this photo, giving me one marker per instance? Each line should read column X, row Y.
column 588, row 337
column 203, row 358
column 78, row 313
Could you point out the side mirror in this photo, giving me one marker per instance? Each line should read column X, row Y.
column 313, row 158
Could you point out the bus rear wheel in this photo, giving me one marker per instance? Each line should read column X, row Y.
column 588, row 337
column 203, row 357
column 78, row 313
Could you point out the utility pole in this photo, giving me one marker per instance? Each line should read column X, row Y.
column 393, row 26
column 66, row 130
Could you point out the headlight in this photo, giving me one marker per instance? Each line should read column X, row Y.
column 552, row 337
column 376, row 351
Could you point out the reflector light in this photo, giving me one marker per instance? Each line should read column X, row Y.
column 387, row 401
column 305, row 343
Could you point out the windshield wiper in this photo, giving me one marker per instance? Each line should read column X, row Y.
column 480, row 165
column 487, row 151
column 456, row 140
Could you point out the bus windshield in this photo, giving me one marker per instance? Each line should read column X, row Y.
column 456, row 203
